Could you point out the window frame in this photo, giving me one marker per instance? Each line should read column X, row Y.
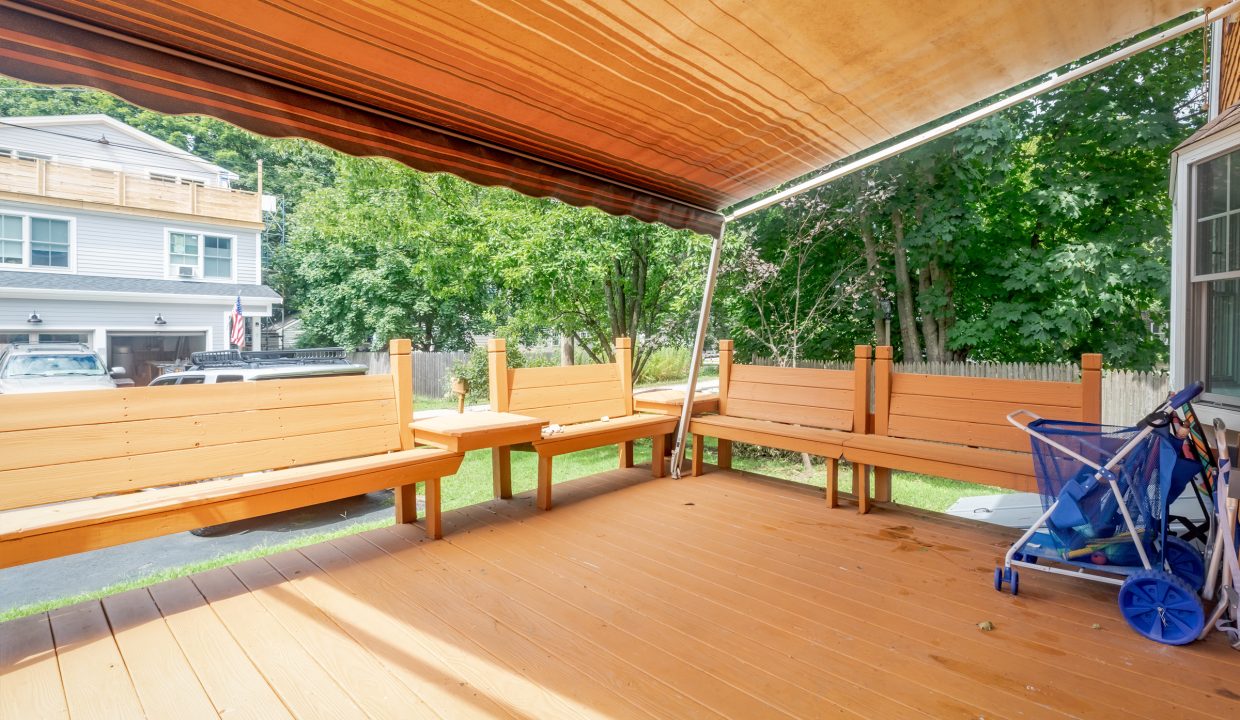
column 28, row 243
column 1197, row 285
column 201, row 266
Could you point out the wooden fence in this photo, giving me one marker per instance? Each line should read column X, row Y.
column 1127, row 395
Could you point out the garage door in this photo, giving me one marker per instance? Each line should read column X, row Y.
column 147, row 356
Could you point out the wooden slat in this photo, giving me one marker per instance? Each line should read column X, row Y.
column 303, row 685
column 230, row 679
column 971, row 410
column 610, row 433
column 161, row 676
column 807, row 395
column 959, row 433
column 32, row 411
column 808, row 377
column 96, row 683
column 1038, row 392
column 839, row 419
column 30, row 684
column 130, row 525
column 772, row 438
column 53, row 483
column 579, row 412
column 55, row 446
column 523, row 399
column 526, row 378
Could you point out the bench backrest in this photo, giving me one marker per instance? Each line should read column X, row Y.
column 563, row 395
column 75, row 445
column 973, row 411
column 801, row 396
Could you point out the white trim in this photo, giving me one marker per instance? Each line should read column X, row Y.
column 1182, row 163
column 202, row 254
column 115, row 296
column 27, row 243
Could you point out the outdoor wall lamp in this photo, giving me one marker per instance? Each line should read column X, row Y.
column 159, row 319
column 34, row 318
column 885, row 305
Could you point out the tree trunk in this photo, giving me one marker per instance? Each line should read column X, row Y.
column 929, row 325
column 567, row 354
column 871, row 267
column 904, row 293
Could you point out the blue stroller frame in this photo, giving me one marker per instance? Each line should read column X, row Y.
column 1105, row 493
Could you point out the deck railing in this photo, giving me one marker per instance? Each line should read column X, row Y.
column 63, row 181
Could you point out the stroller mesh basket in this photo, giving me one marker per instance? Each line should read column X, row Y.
column 1086, row 523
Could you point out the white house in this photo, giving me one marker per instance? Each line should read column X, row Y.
column 112, row 237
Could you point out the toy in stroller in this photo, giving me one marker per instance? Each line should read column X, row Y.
column 1106, row 493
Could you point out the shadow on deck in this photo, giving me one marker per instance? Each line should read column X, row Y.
column 727, row 595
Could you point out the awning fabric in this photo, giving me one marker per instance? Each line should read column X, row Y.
column 667, row 110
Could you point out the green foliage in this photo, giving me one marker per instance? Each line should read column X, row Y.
column 477, row 371
column 669, row 364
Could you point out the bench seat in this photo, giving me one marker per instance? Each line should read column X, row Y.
column 596, row 433
column 768, row 433
column 45, row 531
column 1003, row 468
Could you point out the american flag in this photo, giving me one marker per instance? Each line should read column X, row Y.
column 238, row 326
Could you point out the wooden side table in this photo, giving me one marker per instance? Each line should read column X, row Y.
column 462, row 432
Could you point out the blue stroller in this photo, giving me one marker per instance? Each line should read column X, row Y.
column 1105, row 494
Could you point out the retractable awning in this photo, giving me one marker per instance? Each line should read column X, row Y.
column 667, row 110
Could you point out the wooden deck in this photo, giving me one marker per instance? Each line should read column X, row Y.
column 719, row 596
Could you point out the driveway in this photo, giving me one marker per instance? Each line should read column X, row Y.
column 90, row 571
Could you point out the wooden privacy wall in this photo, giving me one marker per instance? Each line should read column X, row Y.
column 563, row 395
column 801, row 396
column 84, row 444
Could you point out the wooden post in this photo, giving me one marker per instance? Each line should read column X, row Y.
column 1091, row 388
column 434, row 522
column 402, row 390
column 626, row 454
column 658, row 444
column 833, row 482
column 723, row 451
column 544, row 482
column 882, row 414
column 698, row 442
column 497, row 375
column 497, row 366
column 624, row 363
column 861, row 417
column 725, row 374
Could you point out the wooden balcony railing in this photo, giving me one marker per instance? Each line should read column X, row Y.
column 73, row 182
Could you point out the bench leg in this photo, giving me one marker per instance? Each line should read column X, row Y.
column 861, row 487
column 669, row 442
column 698, row 447
column 626, row 454
column 833, row 482
column 501, row 471
column 882, row 484
column 406, row 504
column 658, row 462
column 725, row 455
column 434, row 523
column 544, row 482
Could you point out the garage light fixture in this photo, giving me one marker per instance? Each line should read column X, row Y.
column 159, row 319
column 34, row 318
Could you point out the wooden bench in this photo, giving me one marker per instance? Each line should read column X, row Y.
column 799, row 409
column 575, row 398
column 197, row 452
column 956, row 427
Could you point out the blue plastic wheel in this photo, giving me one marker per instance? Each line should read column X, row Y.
column 999, row 579
column 1015, row 582
column 1185, row 562
column 1162, row 607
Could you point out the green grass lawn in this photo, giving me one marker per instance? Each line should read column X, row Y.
column 472, row 485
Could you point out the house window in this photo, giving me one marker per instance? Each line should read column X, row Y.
column 49, row 243
column 34, row 242
column 12, row 240
column 209, row 255
column 217, row 256
column 1214, row 291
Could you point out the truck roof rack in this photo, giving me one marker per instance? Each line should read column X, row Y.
column 266, row 358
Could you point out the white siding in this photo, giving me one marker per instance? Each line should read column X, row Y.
column 130, row 246
column 101, row 317
column 134, row 158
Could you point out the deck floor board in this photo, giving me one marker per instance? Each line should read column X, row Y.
column 726, row 595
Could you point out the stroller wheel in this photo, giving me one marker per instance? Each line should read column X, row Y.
column 1185, row 562
column 1162, row 607
column 1006, row 575
column 999, row 579
column 1015, row 582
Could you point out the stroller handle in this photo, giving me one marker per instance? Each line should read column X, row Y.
column 1185, row 396
column 1021, row 418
